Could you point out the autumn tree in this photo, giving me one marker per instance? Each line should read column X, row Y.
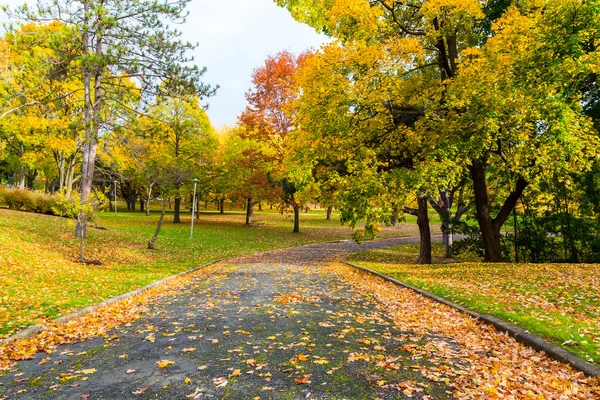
column 443, row 53
column 122, row 39
column 184, row 131
column 267, row 119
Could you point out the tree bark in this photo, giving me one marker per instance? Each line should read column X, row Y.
column 222, row 206
column 152, row 241
column 296, row 219
column 488, row 226
column 424, row 230
column 91, row 120
column 249, row 210
column 142, row 204
column 21, row 184
column 329, row 212
column 149, row 193
column 176, row 211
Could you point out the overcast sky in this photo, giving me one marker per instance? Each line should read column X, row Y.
column 235, row 36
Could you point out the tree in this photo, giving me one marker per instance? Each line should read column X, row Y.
column 184, row 130
column 120, row 40
column 268, row 119
column 445, row 52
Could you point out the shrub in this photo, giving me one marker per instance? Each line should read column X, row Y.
column 26, row 200
column 19, row 200
column 44, row 204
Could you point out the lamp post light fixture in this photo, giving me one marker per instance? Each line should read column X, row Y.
column 193, row 209
column 116, row 196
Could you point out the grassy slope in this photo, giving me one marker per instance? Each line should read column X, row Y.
column 560, row 302
column 39, row 277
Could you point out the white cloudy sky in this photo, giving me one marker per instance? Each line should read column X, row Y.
column 235, row 36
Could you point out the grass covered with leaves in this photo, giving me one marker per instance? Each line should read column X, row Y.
column 560, row 302
column 41, row 279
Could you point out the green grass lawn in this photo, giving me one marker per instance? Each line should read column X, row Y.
column 560, row 302
column 40, row 278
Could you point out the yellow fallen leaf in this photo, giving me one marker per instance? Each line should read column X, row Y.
column 321, row 361
column 87, row 371
column 236, row 372
column 151, row 338
column 188, row 350
column 187, row 380
column 164, row 363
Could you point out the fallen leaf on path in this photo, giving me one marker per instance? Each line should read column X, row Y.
column 197, row 393
column 87, row 371
column 165, row 363
column 220, row 382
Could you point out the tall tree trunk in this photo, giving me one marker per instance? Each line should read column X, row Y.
column 222, row 206
column 296, row 218
column 21, row 184
column 176, row 211
column 329, row 212
column 142, row 204
column 152, row 241
column 260, row 206
column 149, row 196
column 249, row 210
column 424, row 230
column 488, row 226
column 91, row 116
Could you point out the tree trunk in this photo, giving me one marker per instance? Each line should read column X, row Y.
column 424, row 232
column 176, row 218
column 149, row 192
column 296, row 219
column 249, row 210
column 490, row 233
column 490, row 227
column 329, row 212
column 222, row 206
column 142, row 204
column 152, row 241
column 205, row 204
column 260, row 206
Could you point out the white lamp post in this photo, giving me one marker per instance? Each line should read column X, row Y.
column 193, row 209
column 116, row 197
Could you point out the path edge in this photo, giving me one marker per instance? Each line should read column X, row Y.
column 36, row 329
column 522, row 336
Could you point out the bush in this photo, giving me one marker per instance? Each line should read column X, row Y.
column 25, row 200
column 44, row 204
column 19, row 200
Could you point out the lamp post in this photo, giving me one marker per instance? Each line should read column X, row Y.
column 193, row 209
column 116, row 197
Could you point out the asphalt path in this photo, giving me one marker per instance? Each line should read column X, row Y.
column 273, row 325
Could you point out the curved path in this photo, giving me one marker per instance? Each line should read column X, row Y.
column 258, row 327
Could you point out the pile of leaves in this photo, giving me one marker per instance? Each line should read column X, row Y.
column 560, row 302
column 472, row 357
